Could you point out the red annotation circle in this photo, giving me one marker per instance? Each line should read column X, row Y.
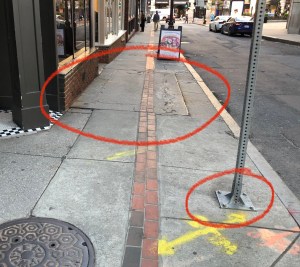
column 129, row 142
column 243, row 171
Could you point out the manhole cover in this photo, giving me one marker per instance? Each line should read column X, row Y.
column 44, row 242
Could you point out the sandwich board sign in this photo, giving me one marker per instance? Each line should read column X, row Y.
column 169, row 43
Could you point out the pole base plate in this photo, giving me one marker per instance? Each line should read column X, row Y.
column 226, row 201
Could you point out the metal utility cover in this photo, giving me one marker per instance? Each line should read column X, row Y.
column 44, row 242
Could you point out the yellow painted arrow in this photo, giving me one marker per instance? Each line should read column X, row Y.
column 215, row 237
column 122, row 154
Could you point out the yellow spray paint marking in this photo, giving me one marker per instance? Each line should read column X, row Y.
column 215, row 237
column 121, row 155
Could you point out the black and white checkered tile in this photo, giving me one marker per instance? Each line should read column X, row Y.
column 14, row 131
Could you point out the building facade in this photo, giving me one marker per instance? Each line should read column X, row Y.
column 42, row 36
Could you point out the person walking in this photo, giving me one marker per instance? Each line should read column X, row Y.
column 186, row 18
column 156, row 20
column 143, row 20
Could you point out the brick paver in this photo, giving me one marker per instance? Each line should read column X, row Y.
column 143, row 227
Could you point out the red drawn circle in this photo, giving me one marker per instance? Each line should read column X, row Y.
column 243, row 171
column 128, row 142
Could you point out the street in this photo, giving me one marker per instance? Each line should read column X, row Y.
column 275, row 129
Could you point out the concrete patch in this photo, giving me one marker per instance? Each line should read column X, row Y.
column 168, row 96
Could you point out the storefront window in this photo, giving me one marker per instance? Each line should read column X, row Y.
column 121, row 12
column 109, row 17
column 131, row 11
column 73, row 27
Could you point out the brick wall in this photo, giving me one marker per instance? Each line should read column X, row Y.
column 120, row 42
column 72, row 82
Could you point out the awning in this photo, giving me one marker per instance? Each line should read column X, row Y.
column 162, row 2
column 180, row 2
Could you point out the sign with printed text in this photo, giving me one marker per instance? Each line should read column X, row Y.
column 237, row 8
column 170, row 39
column 200, row 3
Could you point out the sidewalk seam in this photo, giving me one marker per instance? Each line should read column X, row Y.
column 285, row 251
column 62, row 161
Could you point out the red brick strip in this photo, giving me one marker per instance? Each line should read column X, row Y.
column 142, row 240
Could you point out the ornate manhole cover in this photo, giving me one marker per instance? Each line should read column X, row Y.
column 44, row 242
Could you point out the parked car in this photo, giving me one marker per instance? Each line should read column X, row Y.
column 242, row 25
column 217, row 23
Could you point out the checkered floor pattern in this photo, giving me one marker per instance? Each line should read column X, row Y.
column 15, row 131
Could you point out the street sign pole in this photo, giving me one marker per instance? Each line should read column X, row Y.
column 171, row 22
column 236, row 199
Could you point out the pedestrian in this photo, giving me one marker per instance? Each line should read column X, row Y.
column 212, row 17
column 143, row 20
column 156, row 20
column 186, row 18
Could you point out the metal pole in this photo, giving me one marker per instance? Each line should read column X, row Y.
column 236, row 199
column 204, row 17
column 171, row 24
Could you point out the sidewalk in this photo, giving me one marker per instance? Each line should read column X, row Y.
column 272, row 31
column 130, row 201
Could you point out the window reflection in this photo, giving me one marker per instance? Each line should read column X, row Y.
column 73, row 26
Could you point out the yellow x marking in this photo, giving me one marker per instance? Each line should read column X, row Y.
column 214, row 236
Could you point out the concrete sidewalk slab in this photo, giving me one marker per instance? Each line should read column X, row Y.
column 121, row 125
column 175, row 183
column 54, row 143
column 95, row 197
column 106, row 92
column 277, row 32
column 198, row 152
column 23, row 180
column 290, row 257
column 214, row 248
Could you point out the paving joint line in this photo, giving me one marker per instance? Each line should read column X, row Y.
column 62, row 161
column 188, row 168
column 101, row 160
column 27, row 154
column 247, row 226
column 285, row 251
